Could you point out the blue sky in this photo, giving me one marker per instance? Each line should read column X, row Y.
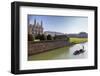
column 63, row 24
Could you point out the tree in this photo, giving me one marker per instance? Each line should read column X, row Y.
column 54, row 37
column 38, row 36
column 30, row 37
column 42, row 37
column 68, row 39
column 49, row 37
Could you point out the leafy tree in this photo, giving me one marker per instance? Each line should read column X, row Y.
column 68, row 39
column 42, row 37
column 49, row 37
column 38, row 36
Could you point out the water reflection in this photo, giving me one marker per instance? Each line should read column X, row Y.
column 78, row 47
column 68, row 54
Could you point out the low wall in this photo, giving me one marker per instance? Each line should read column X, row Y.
column 42, row 46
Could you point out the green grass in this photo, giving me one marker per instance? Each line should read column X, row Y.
column 36, row 40
column 78, row 40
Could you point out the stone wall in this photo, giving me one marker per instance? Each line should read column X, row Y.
column 42, row 46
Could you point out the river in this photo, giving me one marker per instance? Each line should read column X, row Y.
column 62, row 53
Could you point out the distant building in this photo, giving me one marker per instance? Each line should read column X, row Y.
column 53, row 33
column 61, row 37
column 72, row 35
column 35, row 28
column 80, row 35
column 83, row 35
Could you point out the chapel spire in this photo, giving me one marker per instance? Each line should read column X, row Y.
column 41, row 23
column 34, row 21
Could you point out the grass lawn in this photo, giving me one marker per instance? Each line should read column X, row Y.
column 78, row 40
column 36, row 40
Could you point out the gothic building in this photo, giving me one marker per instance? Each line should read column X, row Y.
column 36, row 28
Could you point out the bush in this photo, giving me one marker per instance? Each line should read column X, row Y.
column 42, row 37
column 68, row 39
column 30, row 37
column 49, row 37
column 38, row 36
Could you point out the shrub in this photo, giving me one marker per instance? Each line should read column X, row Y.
column 68, row 39
column 42, row 37
column 49, row 37
column 38, row 36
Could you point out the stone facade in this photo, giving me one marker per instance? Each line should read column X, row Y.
column 53, row 33
column 36, row 28
column 42, row 46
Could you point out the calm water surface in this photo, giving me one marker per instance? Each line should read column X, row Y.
column 62, row 53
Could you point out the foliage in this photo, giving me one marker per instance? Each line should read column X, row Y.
column 42, row 37
column 67, row 39
column 37, row 36
column 49, row 37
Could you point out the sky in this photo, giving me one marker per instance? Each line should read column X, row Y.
column 63, row 24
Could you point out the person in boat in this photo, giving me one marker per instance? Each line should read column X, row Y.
column 82, row 50
column 79, row 51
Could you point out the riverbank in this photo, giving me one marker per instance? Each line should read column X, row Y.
column 78, row 40
column 35, row 48
column 43, row 46
column 51, row 54
column 60, row 53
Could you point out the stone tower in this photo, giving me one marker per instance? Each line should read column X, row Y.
column 37, row 28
